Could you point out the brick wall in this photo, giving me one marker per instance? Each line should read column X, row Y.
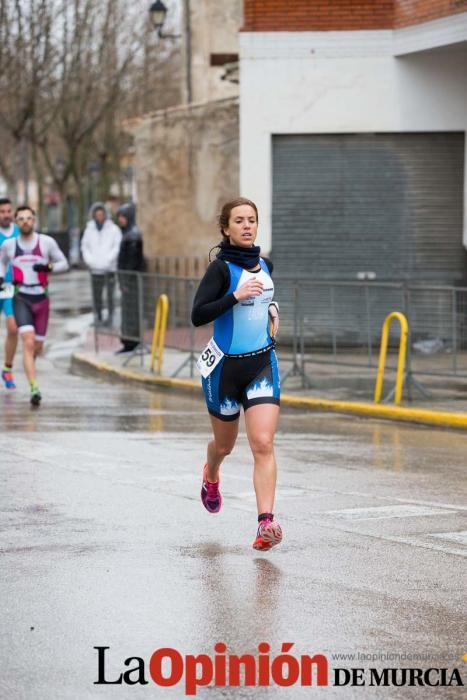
column 316, row 15
column 336, row 15
column 407, row 12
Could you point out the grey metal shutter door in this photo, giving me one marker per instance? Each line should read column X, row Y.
column 391, row 204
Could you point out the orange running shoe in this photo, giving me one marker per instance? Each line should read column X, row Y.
column 269, row 534
column 7, row 376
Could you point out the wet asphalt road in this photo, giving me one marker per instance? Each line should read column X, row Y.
column 104, row 542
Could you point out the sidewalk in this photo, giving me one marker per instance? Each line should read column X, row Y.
column 331, row 388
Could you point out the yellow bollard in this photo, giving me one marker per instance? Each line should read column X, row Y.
column 158, row 336
column 401, row 359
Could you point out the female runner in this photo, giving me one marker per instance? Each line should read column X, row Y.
column 239, row 365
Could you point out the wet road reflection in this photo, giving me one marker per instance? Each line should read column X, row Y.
column 73, row 403
column 104, row 540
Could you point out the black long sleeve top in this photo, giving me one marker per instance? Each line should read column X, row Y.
column 130, row 256
column 211, row 300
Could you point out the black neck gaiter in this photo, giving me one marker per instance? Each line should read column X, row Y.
column 248, row 258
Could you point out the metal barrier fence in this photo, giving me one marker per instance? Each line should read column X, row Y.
column 176, row 265
column 341, row 322
column 327, row 322
column 124, row 305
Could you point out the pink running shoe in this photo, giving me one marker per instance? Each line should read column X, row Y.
column 210, row 494
column 269, row 534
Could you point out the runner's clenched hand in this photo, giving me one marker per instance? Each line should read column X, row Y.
column 274, row 318
column 251, row 288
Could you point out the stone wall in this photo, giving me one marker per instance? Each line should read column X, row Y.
column 214, row 34
column 186, row 165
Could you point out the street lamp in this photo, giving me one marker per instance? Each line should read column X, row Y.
column 158, row 12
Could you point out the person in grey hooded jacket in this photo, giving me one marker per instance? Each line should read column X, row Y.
column 100, row 246
column 130, row 261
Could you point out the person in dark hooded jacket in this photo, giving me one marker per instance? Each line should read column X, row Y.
column 130, row 260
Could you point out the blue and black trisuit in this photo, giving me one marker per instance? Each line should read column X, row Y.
column 248, row 373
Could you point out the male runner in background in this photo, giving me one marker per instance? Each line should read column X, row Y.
column 32, row 256
column 8, row 230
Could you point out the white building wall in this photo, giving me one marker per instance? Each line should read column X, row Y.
column 339, row 82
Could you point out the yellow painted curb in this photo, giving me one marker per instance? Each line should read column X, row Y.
column 130, row 375
column 398, row 413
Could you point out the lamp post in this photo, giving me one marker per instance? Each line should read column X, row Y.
column 128, row 174
column 60, row 167
column 158, row 12
column 93, row 170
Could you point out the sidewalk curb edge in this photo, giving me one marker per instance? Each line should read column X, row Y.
column 444, row 419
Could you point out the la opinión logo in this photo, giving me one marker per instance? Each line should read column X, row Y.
column 168, row 667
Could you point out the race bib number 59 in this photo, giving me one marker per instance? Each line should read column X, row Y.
column 209, row 358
